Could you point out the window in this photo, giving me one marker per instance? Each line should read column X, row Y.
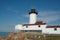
column 55, row 29
column 26, row 26
column 39, row 26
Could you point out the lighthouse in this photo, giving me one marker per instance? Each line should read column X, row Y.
column 33, row 15
column 37, row 26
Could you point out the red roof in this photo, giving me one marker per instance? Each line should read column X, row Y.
column 37, row 23
column 40, row 23
column 53, row 27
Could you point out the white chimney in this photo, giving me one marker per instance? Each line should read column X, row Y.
column 33, row 16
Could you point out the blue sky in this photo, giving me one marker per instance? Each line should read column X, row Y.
column 14, row 12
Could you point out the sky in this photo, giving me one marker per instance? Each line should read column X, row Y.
column 14, row 12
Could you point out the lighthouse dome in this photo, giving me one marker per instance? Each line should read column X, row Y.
column 33, row 11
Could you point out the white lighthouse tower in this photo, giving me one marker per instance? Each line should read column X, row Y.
column 33, row 15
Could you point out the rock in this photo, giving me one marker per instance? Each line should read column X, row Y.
column 15, row 36
column 1, row 38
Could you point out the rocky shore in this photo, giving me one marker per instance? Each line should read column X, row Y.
column 14, row 36
column 30, row 36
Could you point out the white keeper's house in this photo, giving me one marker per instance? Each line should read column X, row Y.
column 38, row 26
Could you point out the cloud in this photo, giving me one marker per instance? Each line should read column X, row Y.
column 26, row 15
column 48, row 16
column 9, row 9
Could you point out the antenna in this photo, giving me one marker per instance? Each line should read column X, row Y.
column 32, row 7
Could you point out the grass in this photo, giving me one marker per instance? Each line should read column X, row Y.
column 36, row 36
